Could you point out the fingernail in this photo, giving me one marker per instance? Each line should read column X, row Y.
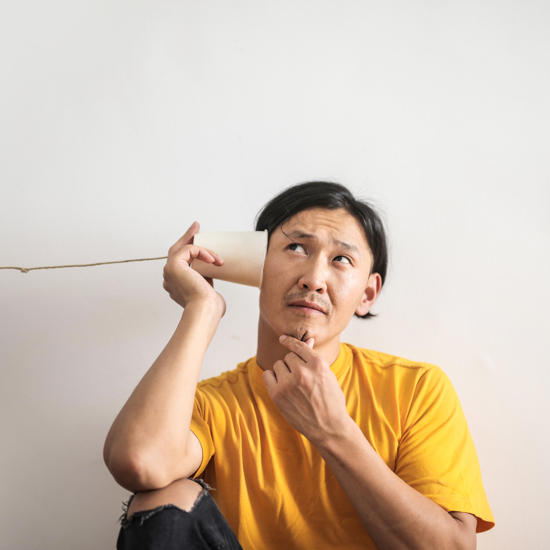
column 283, row 337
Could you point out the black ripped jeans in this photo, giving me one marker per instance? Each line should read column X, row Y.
column 171, row 528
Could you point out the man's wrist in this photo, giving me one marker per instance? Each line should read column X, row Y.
column 207, row 307
column 331, row 443
column 202, row 315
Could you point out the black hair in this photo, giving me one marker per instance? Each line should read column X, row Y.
column 332, row 196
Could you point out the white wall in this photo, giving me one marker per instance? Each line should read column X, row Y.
column 121, row 122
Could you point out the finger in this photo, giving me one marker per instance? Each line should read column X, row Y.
column 293, row 362
column 301, row 349
column 187, row 238
column 192, row 252
column 219, row 259
column 280, row 368
column 269, row 378
column 310, row 342
column 185, row 258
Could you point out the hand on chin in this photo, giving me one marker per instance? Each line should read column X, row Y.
column 301, row 333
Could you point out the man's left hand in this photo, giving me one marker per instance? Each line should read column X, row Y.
column 307, row 392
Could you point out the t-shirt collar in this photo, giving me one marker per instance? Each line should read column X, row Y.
column 339, row 367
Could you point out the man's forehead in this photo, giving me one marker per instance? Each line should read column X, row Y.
column 299, row 234
column 339, row 226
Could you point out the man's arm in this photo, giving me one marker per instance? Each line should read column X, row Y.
column 149, row 444
column 396, row 516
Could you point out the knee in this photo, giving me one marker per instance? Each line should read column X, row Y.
column 182, row 493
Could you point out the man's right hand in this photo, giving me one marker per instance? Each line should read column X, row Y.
column 182, row 282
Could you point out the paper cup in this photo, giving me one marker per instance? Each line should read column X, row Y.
column 243, row 253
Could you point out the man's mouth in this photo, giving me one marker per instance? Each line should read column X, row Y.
column 308, row 307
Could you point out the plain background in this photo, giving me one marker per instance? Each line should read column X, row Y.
column 122, row 122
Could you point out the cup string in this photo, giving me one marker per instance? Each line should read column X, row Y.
column 27, row 269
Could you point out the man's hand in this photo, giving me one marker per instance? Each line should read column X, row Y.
column 307, row 392
column 395, row 515
column 182, row 282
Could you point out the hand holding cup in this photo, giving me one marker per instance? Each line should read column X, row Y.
column 185, row 284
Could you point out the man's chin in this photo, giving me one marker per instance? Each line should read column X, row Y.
column 301, row 333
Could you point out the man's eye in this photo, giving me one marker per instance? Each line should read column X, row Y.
column 295, row 244
column 345, row 258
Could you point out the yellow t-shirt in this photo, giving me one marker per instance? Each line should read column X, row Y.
column 276, row 491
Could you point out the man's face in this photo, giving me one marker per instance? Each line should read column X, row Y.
column 325, row 260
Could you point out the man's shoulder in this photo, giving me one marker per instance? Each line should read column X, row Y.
column 390, row 365
column 408, row 381
column 227, row 379
column 383, row 360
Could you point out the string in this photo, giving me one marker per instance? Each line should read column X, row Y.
column 27, row 269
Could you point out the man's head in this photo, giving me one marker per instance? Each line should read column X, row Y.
column 325, row 247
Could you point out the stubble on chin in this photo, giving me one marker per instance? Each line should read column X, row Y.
column 300, row 333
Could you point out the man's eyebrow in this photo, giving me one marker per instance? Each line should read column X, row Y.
column 297, row 234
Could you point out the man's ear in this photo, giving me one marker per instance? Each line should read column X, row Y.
column 374, row 286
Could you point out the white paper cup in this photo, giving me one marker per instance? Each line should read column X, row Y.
column 243, row 253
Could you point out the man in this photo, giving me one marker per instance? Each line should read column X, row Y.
column 312, row 443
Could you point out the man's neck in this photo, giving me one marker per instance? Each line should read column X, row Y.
column 270, row 350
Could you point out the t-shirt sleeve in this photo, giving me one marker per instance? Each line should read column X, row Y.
column 201, row 429
column 436, row 454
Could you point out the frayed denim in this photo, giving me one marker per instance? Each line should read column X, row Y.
column 171, row 528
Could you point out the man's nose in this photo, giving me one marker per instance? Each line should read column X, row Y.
column 314, row 278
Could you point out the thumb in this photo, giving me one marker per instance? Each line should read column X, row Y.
column 310, row 342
